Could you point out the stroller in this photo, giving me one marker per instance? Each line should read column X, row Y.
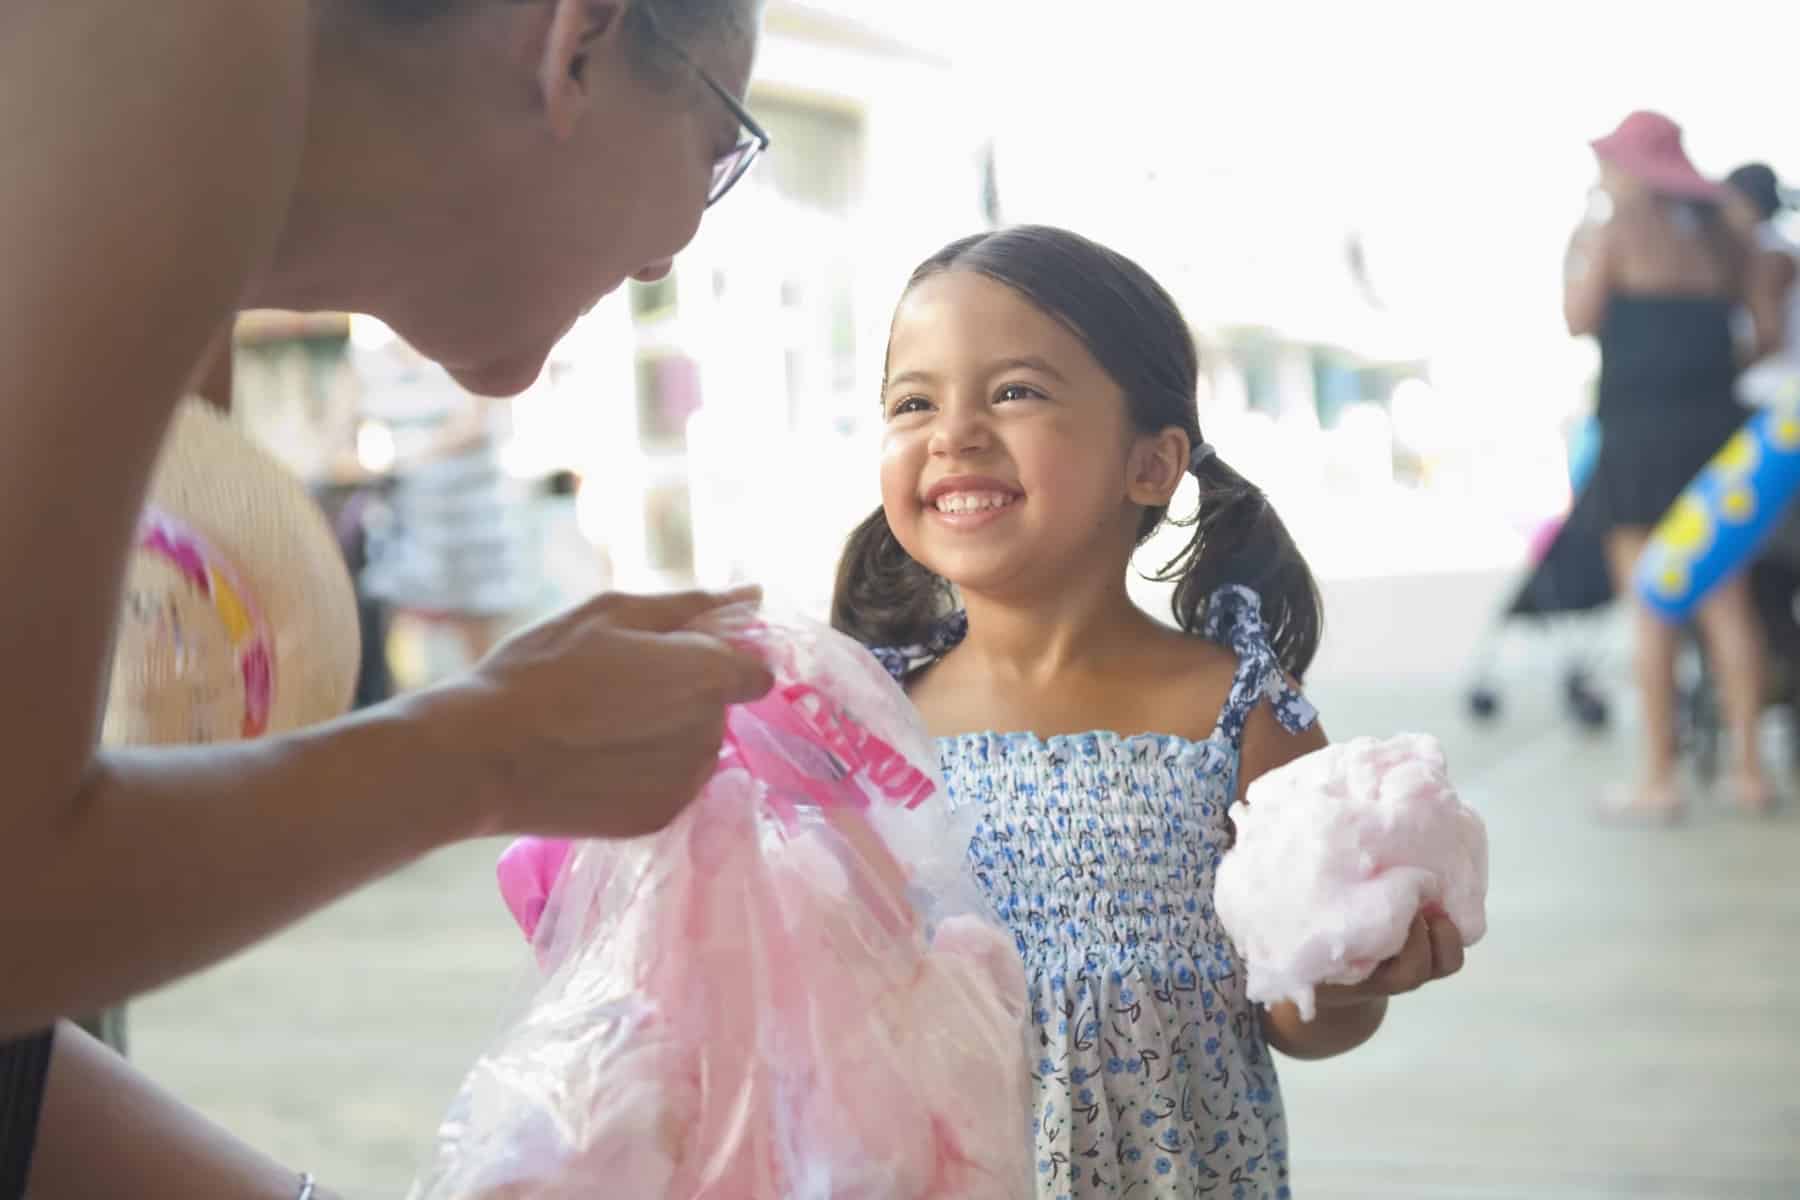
column 1568, row 577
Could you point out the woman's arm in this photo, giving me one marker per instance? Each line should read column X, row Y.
column 1587, row 279
column 1771, row 277
column 150, row 157
column 150, row 151
column 106, row 1130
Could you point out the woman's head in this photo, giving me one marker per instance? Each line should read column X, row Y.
column 1753, row 195
column 1645, row 155
column 1040, row 410
column 479, row 172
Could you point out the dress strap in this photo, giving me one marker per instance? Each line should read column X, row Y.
column 945, row 636
column 1234, row 619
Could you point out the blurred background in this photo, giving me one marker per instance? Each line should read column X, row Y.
column 1362, row 210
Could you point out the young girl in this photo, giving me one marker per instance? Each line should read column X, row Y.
column 1040, row 411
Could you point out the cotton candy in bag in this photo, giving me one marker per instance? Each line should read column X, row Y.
column 794, row 992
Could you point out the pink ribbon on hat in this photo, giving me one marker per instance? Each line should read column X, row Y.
column 211, row 574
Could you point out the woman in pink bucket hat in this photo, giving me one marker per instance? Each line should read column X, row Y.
column 1657, row 274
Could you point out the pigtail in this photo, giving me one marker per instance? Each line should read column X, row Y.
column 884, row 596
column 1238, row 539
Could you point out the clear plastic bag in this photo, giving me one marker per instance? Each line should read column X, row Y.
column 794, row 992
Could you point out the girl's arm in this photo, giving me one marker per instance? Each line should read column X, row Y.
column 106, row 1130
column 1347, row 1016
column 1336, row 1027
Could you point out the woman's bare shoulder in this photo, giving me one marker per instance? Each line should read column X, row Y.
column 134, row 98
column 158, row 145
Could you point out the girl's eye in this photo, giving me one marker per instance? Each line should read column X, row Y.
column 1017, row 391
column 906, row 404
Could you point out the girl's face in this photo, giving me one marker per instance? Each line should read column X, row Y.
column 1009, row 459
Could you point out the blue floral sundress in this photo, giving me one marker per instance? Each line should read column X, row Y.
column 1153, row 1078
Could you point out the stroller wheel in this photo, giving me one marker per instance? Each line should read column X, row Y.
column 1584, row 703
column 1590, row 711
column 1484, row 703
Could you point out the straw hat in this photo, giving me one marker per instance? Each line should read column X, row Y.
column 239, row 618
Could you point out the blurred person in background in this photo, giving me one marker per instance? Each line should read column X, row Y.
column 1657, row 275
column 454, row 541
column 1754, row 203
column 474, row 173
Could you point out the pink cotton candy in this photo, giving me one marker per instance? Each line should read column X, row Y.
column 1336, row 853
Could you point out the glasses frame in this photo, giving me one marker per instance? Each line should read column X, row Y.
column 753, row 139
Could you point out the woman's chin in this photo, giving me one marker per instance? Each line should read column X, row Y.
column 501, row 377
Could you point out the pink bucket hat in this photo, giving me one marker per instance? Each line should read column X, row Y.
column 1647, row 145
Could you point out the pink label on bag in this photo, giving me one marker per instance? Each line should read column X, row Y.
column 859, row 749
column 797, row 740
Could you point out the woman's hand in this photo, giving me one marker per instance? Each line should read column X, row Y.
column 604, row 721
column 1349, row 1014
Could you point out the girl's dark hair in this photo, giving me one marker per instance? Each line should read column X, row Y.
column 1136, row 333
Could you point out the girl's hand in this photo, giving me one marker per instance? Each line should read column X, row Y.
column 1433, row 950
column 1349, row 1014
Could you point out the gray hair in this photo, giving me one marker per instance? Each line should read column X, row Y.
column 686, row 23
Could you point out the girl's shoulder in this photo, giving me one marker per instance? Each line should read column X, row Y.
column 1199, row 685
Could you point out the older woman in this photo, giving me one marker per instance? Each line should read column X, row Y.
column 475, row 173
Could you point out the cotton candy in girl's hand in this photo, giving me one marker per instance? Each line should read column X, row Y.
column 1336, row 853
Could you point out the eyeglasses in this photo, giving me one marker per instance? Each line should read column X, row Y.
column 752, row 138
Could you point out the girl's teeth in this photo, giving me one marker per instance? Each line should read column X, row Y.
column 962, row 502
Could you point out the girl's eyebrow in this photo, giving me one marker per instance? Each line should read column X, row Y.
column 908, row 377
column 1029, row 362
column 1026, row 362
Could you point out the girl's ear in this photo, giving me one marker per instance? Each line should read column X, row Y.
column 1158, row 462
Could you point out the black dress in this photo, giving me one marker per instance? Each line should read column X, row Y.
column 1668, row 368
column 24, row 1071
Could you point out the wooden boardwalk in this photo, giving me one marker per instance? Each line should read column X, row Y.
column 1630, row 1027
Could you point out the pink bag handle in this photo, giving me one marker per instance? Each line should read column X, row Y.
column 528, row 870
